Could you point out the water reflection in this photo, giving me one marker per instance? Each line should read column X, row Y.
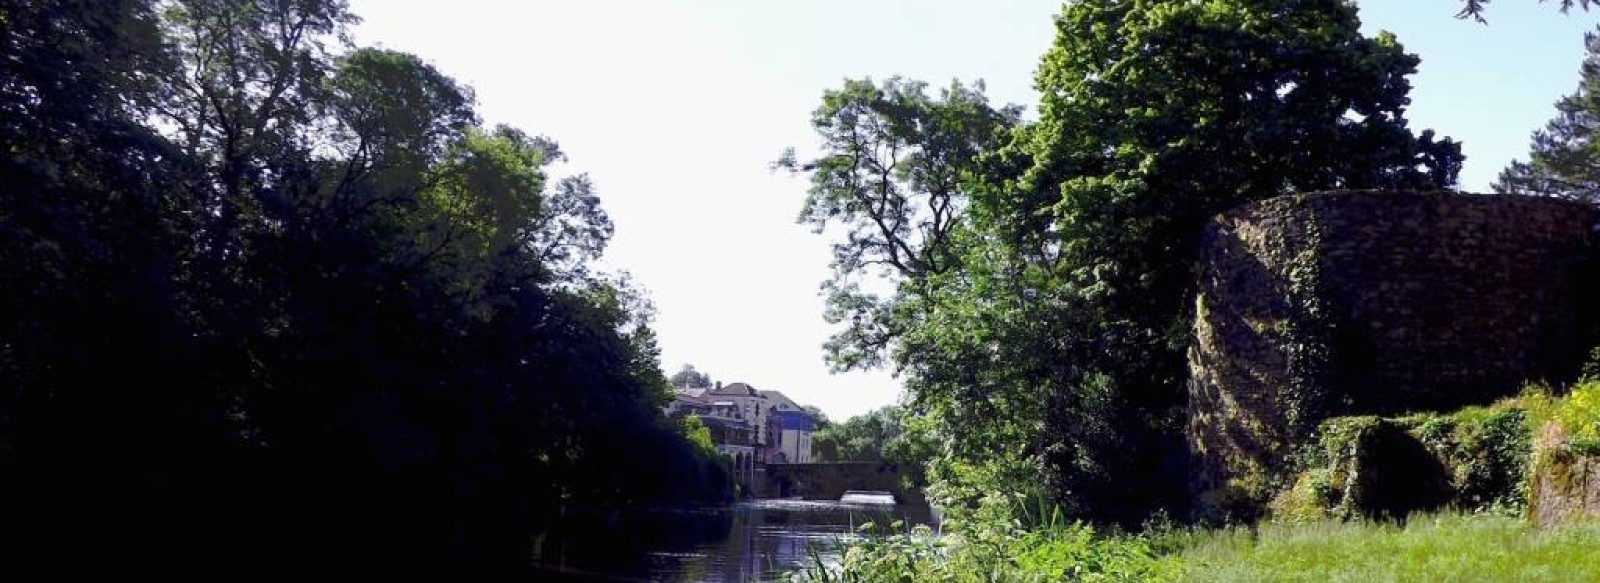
column 749, row 541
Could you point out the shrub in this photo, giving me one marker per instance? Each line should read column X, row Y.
column 1579, row 416
column 1372, row 467
column 992, row 546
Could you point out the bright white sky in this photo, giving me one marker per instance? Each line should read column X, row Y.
column 675, row 108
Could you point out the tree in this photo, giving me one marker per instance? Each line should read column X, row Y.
column 1044, row 327
column 1474, row 8
column 260, row 280
column 689, row 378
column 1141, row 139
column 885, row 435
column 868, row 437
column 817, row 415
column 1565, row 159
column 894, row 174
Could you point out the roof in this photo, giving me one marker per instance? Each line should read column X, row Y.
column 741, row 389
column 780, row 398
column 745, row 390
column 798, row 420
column 689, row 398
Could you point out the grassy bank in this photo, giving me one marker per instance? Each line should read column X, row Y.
column 1483, row 457
column 1449, row 547
column 1438, row 548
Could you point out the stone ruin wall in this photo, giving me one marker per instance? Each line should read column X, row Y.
column 1345, row 303
column 1565, row 485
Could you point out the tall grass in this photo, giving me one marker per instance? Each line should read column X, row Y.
column 1450, row 547
column 1480, row 547
column 988, row 546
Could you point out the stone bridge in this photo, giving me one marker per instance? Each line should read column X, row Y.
column 829, row 481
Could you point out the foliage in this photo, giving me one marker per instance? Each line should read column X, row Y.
column 1474, row 547
column 697, row 433
column 1475, row 459
column 1468, row 547
column 895, row 172
column 888, row 435
column 1142, row 139
column 1579, row 416
column 1308, row 336
column 1041, row 290
column 1474, row 8
column 994, row 548
column 863, row 438
column 276, row 292
column 688, row 377
column 1562, row 160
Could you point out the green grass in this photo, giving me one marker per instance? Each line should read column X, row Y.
column 1432, row 548
column 1451, row 547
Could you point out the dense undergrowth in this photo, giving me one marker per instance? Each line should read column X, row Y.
column 1325, row 527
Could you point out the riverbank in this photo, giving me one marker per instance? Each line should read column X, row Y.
column 1445, row 547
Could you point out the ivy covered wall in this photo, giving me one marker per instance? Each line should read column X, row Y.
column 1374, row 303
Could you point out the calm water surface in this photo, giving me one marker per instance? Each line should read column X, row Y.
column 748, row 541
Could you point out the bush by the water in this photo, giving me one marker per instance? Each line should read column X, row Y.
column 996, row 542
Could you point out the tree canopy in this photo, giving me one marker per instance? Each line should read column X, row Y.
column 1564, row 158
column 289, row 298
column 887, row 435
column 1042, row 322
column 687, row 377
column 1474, row 8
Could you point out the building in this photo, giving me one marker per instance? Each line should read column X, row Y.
column 779, row 430
column 686, row 401
column 733, row 435
column 792, row 436
column 734, row 438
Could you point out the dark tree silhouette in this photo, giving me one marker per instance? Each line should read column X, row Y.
column 273, row 301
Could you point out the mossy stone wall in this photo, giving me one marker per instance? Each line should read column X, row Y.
column 1565, row 484
column 1388, row 467
column 1374, row 303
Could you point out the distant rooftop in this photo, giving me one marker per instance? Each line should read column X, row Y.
column 693, row 393
column 740, row 389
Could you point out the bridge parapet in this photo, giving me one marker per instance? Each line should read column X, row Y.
column 830, row 480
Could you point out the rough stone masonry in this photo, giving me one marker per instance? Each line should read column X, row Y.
column 1347, row 303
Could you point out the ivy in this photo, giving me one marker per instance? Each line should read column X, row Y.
column 1308, row 332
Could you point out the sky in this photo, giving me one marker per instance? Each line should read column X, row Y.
column 676, row 108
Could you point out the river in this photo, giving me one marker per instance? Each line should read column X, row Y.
column 748, row 541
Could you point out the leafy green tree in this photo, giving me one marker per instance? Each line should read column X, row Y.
column 885, row 435
column 1474, row 8
column 688, row 377
column 95, row 221
column 894, row 174
column 817, row 415
column 273, row 291
column 397, row 117
column 697, row 433
column 858, row 439
column 1565, row 159
column 1143, row 137
column 1046, row 320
